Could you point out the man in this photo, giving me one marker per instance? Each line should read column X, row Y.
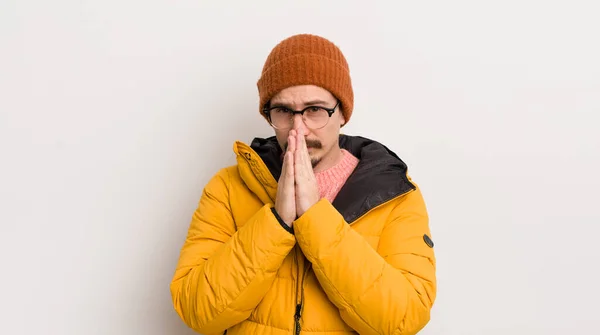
column 312, row 231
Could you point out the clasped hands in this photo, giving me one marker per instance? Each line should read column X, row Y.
column 297, row 190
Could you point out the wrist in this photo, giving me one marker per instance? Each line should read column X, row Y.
column 283, row 223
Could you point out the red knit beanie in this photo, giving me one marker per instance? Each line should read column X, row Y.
column 307, row 59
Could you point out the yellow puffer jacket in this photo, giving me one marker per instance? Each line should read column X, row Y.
column 362, row 264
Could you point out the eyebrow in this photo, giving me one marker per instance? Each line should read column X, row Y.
column 308, row 103
column 315, row 102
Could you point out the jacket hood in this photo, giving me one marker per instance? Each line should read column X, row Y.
column 379, row 176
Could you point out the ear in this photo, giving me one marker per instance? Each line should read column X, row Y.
column 342, row 118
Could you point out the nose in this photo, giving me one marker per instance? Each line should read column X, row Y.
column 298, row 123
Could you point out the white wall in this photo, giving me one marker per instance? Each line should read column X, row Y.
column 106, row 142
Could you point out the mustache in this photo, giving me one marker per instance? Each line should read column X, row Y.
column 315, row 144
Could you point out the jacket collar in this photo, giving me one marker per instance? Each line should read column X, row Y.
column 379, row 177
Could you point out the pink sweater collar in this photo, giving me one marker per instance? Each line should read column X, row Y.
column 330, row 181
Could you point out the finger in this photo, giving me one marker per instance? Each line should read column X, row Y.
column 301, row 141
column 299, row 157
column 284, row 169
column 300, row 146
column 290, row 180
column 291, row 143
column 304, row 156
column 289, row 167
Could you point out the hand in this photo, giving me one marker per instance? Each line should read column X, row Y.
column 285, row 203
column 307, row 189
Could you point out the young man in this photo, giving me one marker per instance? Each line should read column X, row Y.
column 311, row 231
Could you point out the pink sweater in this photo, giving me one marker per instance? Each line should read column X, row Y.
column 331, row 180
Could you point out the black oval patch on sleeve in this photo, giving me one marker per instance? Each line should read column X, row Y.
column 428, row 240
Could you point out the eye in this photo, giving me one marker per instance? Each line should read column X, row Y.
column 314, row 109
column 280, row 110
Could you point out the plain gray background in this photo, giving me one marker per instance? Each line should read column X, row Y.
column 114, row 114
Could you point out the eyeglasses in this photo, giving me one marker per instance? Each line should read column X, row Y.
column 315, row 117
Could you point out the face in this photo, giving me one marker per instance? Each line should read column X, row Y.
column 323, row 145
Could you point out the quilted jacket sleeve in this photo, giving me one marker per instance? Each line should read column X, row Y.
column 222, row 274
column 385, row 290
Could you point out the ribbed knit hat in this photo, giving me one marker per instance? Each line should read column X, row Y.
column 307, row 59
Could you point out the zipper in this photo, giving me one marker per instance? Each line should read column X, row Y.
column 300, row 287
column 298, row 309
column 297, row 319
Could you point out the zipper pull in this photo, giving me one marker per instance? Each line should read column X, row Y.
column 297, row 317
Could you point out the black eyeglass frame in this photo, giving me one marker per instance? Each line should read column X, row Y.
column 330, row 111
